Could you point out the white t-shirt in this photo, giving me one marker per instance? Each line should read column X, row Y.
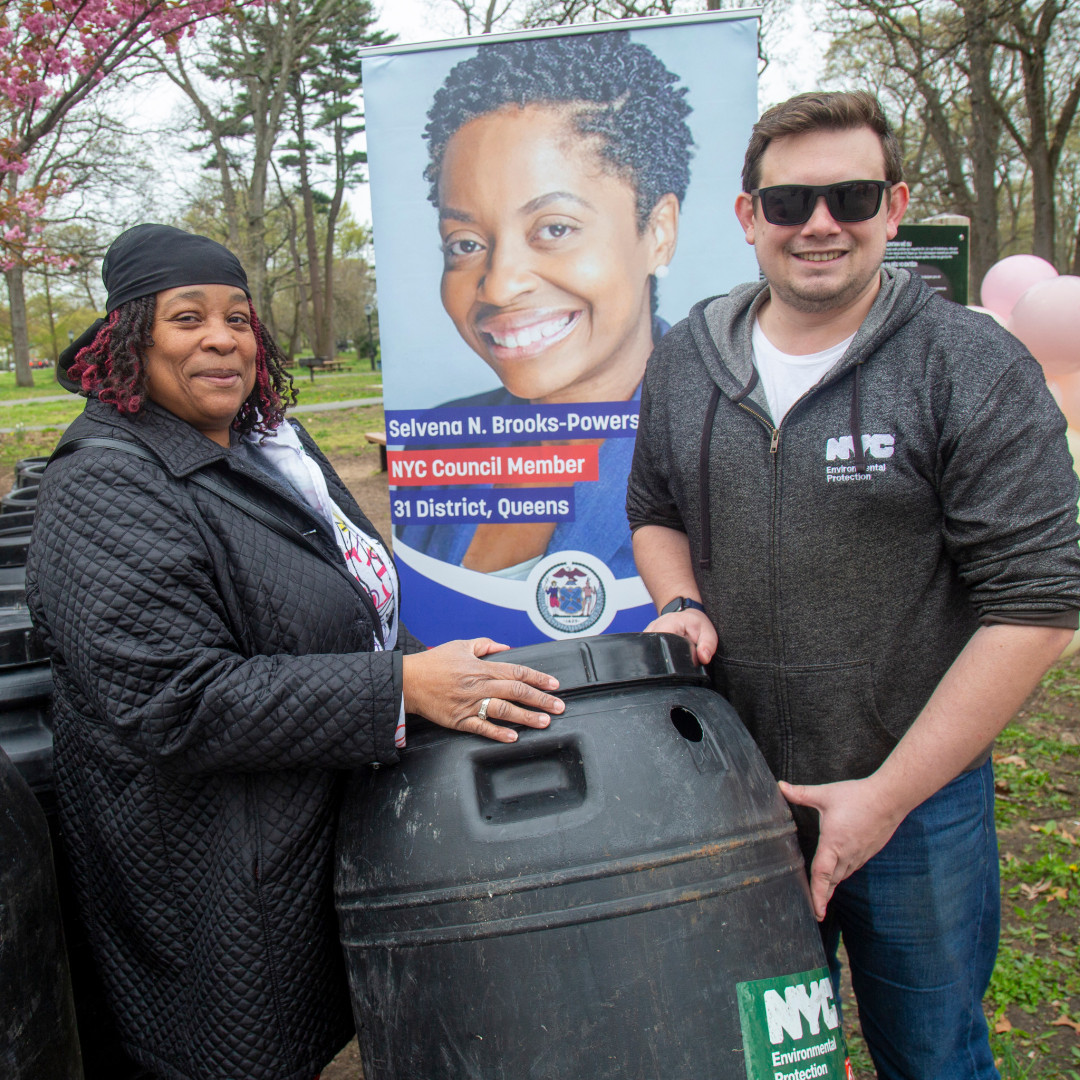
column 785, row 378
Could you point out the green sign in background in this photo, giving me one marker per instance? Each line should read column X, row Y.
column 791, row 1028
column 938, row 253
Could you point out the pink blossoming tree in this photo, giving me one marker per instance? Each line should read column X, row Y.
column 53, row 55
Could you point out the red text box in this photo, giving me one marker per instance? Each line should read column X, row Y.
column 537, row 466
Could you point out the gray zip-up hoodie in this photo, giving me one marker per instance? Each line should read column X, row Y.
column 846, row 556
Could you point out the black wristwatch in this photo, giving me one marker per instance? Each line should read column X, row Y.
column 681, row 603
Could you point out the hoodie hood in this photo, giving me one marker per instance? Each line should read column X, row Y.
column 722, row 328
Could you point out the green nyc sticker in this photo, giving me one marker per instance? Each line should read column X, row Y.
column 791, row 1028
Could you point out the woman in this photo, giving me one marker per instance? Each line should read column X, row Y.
column 558, row 167
column 222, row 620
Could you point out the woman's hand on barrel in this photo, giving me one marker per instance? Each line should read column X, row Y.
column 453, row 686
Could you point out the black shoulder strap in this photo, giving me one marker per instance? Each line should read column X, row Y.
column 229, row 495
column 241, row 502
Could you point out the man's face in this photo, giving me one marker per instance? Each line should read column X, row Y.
column 822, row 265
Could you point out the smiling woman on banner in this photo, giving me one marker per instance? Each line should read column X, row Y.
column 223, row 625
column 558, row 167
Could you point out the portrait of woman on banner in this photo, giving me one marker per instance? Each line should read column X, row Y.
column 558, row 167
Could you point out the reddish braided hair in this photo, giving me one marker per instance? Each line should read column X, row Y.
column 112, row 367
column 273, row 391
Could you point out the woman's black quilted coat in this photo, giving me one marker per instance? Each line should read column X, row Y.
column 211, row 679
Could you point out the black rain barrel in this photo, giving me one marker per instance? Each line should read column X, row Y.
column 22, row 521
column 19, row 500
column 38, row 1038
column 619, row 896
column 27, row 465
column 29, row 475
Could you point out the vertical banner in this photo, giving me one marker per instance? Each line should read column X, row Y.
column 545, row 206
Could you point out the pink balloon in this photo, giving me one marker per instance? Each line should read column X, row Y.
column 986, row 311
column 1006, row 281
column 1047, row 320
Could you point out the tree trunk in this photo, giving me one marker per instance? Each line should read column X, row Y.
column 985, row 243
column 20, row 338
column 49, row 312
column 302, row 318
column 320, row 345
column 1038, row 156
column 331, row 228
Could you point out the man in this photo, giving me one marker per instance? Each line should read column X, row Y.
column 855, row 499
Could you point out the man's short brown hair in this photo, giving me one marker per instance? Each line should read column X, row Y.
column 819, row 111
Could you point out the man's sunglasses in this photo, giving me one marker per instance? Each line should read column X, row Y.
column 793, row 204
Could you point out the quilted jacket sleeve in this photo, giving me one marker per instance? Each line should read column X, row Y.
column 407, row 643
column 127, row 589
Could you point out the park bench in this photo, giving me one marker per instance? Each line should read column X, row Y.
column 319, row 363
column 379, row 440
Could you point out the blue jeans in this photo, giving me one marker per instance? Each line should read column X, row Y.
column 920, row 922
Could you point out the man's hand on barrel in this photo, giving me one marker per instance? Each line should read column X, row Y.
column 857, row 820
column 694, row 626
column 453, row 686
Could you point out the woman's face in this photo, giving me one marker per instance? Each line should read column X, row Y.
column 201, row 366
column 546, row 274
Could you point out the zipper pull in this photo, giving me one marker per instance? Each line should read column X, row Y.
column 775, row 443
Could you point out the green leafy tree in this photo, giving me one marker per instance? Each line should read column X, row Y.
column 986, row 92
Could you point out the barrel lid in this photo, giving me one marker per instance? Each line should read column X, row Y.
column 591, row 663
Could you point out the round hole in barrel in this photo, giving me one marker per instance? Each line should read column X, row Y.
column 686, row 724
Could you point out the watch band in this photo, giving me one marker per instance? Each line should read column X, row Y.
column 681, row 603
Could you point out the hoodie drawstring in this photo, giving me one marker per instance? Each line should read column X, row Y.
column 856, row 423
column 705, row 560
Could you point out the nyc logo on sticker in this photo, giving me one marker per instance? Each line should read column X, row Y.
column 791, row 1028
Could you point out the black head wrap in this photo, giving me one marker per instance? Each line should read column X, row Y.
column 148, row 259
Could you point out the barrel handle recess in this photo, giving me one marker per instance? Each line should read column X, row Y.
column 529, row 783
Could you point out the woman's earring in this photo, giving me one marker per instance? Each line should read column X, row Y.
column 661, row 271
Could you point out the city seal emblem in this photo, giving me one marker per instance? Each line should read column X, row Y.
column 570, row 594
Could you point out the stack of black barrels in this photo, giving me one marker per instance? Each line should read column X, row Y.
column 25, row 679
column 38, row 1039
